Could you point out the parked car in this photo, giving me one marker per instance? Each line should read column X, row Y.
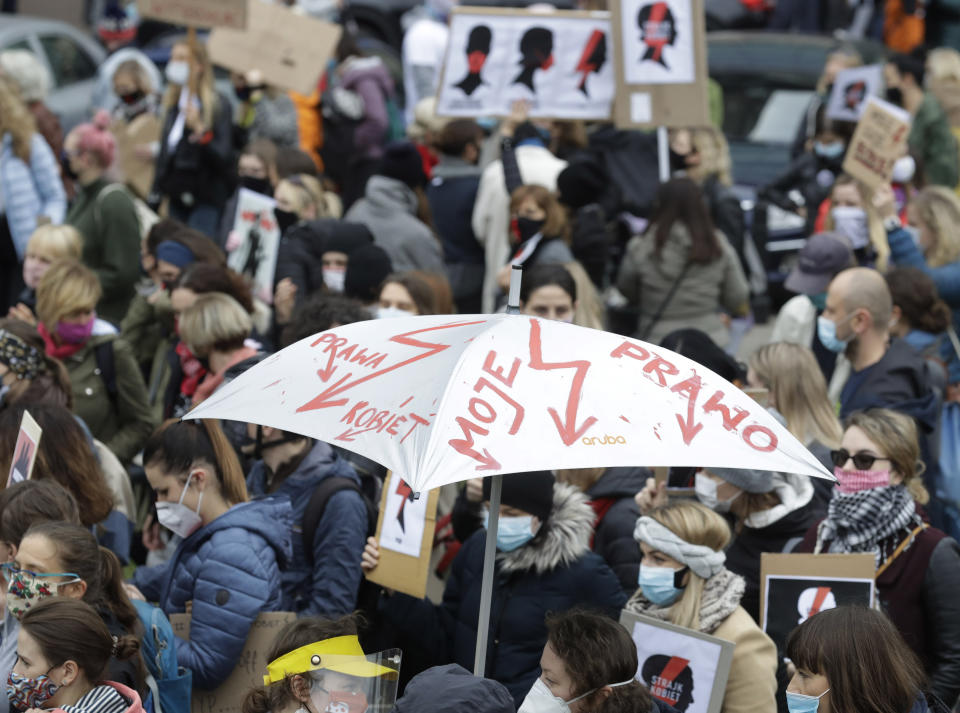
column 71, row 55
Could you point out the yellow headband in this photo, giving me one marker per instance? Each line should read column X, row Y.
column 342, row 654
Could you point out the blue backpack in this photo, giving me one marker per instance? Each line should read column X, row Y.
column 170, row 686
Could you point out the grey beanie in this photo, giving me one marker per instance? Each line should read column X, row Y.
column 751, row 481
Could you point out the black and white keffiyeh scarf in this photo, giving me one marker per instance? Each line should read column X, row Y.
column 860, row 522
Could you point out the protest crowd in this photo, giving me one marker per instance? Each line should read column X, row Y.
column 194, row 219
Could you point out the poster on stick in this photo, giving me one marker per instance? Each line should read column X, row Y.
column 851, row 89
column 197, row 13
column 878, row 141
column 290, row 50
column 681, row 667
column 254, row 242
column 25, row 450
column 794, row 587
column 661, row 63
column 560, row 62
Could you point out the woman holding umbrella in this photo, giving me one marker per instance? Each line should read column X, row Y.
column 544, row 564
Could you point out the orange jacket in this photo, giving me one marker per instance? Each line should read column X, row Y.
column 309, row 124
column 903, row 31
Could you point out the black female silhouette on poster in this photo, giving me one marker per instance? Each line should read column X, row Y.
column 593, row 58
column 536, row 46
column 478, row 49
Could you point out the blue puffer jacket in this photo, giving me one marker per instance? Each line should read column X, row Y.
column 230, row 570
column 330, row 588
column 554, row 572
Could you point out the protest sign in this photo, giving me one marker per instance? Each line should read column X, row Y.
column 660, row 63
column 136, row 172
column 197, row 13
column 879, row 140
column 851, row 89
column 558, row 61
column 255, row 226
column 25, row 450
column 681, row 667
column 794, row 587
column 250, row 667
column 290, row 50
column 405, row 531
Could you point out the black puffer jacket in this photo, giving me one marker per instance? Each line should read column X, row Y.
column 613, row 535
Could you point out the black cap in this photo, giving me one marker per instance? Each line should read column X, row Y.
column 582, row 183
column 531, row 492
column 820, row 259
column 368, row 267
column 402, row 162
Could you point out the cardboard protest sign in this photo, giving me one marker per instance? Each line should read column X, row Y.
column 290, row 50
column 251, row 666
column 256, row 255
column 25, row 450
column 879, row 140
column 405, row 531
column 559, row 61
column 136, row 172
column 851, row 89
column 660, row 63
column 794, row 587
column 197, row 13
column 681, row 667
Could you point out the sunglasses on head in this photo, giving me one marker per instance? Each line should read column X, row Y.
column 861, row 460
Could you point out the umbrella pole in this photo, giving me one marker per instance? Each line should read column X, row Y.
column 486, row 586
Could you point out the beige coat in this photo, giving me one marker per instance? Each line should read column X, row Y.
column 752, row 685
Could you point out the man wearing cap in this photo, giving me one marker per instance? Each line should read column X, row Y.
column 544, row 564
column 820, row 260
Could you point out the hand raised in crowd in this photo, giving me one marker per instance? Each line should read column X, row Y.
column 371, row 556
column 284, row 298
column 885, row 202
column 519, row 111
column 652, row 496
column 23, row 313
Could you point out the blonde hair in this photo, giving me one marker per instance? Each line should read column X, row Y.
column 56, row 242
column 851, row 58
column 66, row 287
column 589, row 310
column 943, row 64
column 310, row 192
column 216, row 321
column 698, row 525
column 580, row 478
column 200, row 86
column 29, row 73
column 939, row 209
column 135, row 70
column 895, row 435
column 798, row 391
column 16, row 119
column 711, row 145
column 877, row 233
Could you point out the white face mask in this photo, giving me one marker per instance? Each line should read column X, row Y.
column 334, row 278
column 177, row 72
column 706, row 489
column 390, row 312
column 903, row 169
column 541, row 700
column 177, row 517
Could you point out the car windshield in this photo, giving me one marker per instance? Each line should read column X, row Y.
column 761, row 112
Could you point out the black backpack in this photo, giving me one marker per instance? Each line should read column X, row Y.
column 107, row 368
column 318, row 504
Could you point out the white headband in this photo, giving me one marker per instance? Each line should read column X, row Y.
column 704, row 561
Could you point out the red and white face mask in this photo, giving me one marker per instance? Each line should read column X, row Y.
column 853, row 481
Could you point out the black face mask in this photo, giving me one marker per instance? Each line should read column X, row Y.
column 259, row 185
column 678, row 161
column 528, row 227
column 132, row 97
column 895, row 95
column 285, row 219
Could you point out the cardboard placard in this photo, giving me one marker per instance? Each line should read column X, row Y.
column 290, row 50
column 660, row 63
column 682, row 667
column 197, row 13
column 851, row 89
column 256, row 256
column 135, row 172
column 879, row 140
column 396, row 570
column 251, row 666
column 25, row 451
column 558, row 61
column 794, row 587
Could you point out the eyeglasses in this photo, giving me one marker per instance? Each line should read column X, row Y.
column 10, row 570
column 861, row 460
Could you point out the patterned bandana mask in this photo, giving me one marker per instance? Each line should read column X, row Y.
column 18, row 356
column 26, row 590
column 24, row 692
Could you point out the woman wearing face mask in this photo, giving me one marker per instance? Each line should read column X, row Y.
column 541, row 235
column 403, row 294
column 63, row 649
column 852, row 215
column 544, row 565
column 588, row 664
column 63, row 560
column 66, row 297
column 229, row 562
column 682, row 272
column 853, row 659
column 255, row 166
column 683, row 580
column 193, row 162
column 301, row 198
column 874, row 509
column 135, row 116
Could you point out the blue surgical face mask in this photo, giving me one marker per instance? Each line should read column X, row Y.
column 659, row 585
column 799, row 703
column 827, row 331
column 832, row 150
column 512, row 532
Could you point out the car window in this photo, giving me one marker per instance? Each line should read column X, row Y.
column 69, row 62
column 23, row 44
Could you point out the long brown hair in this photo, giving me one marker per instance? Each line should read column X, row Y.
column 66, row 456
column 178, row 446
column 868, row 665
column 556, row 225
column 200, row 84
column 30, row 502
column 52, row 385
column 680, row 200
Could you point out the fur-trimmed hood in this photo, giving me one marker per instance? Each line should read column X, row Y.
column 562, row 540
